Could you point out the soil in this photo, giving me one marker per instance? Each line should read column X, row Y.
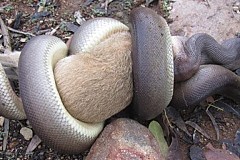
column 219, row 18
column 59, row 12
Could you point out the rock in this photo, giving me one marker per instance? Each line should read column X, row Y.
column 212, row 153
column 120, row 14
column 27, row 133
column 125, row 139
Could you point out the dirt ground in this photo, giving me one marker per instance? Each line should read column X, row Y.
column 219, row 18
column 59, row 14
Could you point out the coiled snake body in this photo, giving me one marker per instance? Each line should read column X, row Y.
column 41, row 100
column 153, row 85
column 153, row 76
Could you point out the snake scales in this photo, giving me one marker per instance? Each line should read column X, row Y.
column 153, row 77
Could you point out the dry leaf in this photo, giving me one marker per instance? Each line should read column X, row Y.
column 198, row 128
column 213, row 122
column 176, row 118
column 33, row 144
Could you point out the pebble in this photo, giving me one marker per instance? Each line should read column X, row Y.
column 125, row 139
column 27, row 133
column 28, row 124
column 120, row 14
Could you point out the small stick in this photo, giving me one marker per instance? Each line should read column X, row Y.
column 43, row 31
column 213, row 121
column 20, row 32
column 6, row 37
column 6, row 131
column 168, row 121
column 53, row 31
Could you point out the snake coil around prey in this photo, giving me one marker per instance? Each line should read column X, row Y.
column 44, row 77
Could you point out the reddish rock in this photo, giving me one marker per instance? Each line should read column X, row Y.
column 125, row 139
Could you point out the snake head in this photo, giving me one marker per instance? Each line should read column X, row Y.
column 185, row 66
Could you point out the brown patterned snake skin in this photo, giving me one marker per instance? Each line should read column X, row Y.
column 153, row 77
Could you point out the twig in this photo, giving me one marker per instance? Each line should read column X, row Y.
column 168, row 121
column 6, row 131
column 213, row 121
column 6, row 37
column 54, row 30
column 20, row 32
column 216, row 107
column 42, row 31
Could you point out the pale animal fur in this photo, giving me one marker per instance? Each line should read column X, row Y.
column 98, row 84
